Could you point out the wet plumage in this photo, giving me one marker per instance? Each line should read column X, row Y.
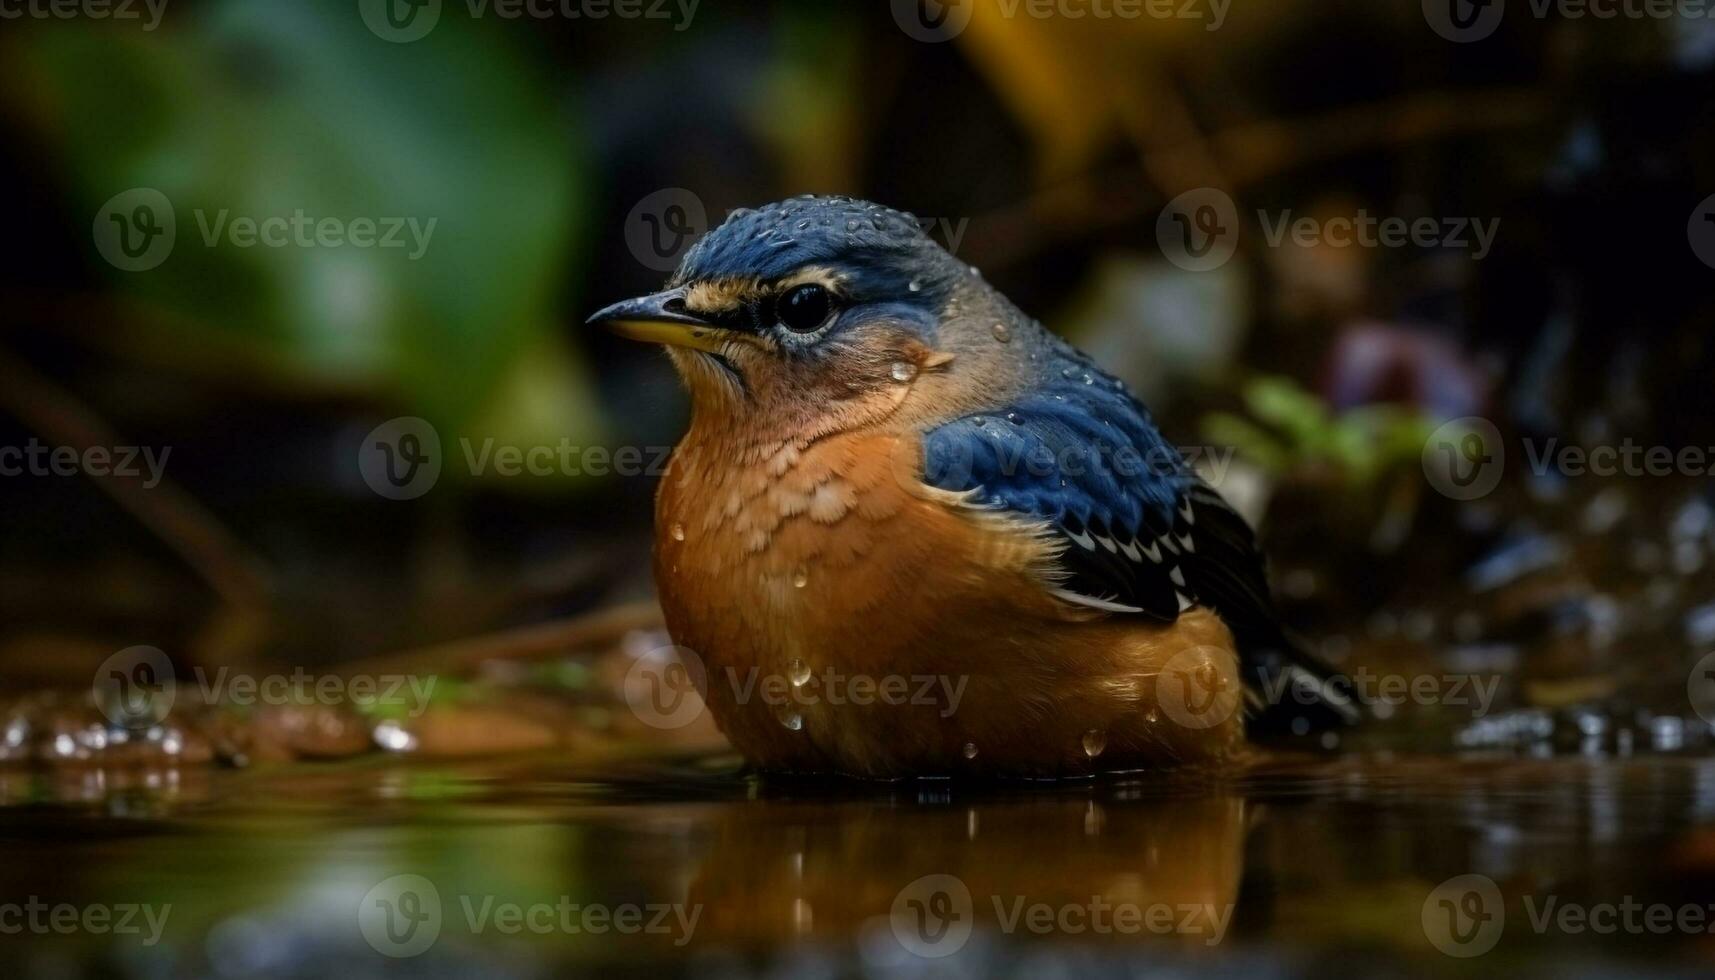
column 894, row 477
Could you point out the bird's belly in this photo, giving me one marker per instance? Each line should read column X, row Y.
column 849, row 621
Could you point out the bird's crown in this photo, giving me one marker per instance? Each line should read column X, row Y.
column 775, row 240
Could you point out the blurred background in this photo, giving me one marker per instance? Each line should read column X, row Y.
column 453, row 187
column 529, row 170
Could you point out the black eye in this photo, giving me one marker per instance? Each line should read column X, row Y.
column 804, row 308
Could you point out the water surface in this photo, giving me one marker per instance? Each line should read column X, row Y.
column 1300, row 865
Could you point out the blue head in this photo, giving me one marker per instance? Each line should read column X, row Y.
column 810, row 306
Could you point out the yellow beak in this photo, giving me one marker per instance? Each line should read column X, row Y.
column 660, row 318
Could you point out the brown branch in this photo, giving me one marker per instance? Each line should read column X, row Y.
column 1176, row 154
column 544, row 641
column 1258, row 150
column 1246, row 153
column 172, row 515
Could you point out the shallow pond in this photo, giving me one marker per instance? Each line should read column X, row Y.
column 532, row 865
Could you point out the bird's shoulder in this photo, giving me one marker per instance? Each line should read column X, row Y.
column 1142, row 533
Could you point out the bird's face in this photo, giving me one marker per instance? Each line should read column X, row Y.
column 817, row 313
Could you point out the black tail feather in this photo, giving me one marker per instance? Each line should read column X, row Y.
column 1290, row 691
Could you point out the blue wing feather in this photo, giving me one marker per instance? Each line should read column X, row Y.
column 1144, row 535
column 1084, row 455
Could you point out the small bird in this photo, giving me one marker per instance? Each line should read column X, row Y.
column 911, row 532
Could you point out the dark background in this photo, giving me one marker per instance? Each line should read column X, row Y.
column 1048, row 147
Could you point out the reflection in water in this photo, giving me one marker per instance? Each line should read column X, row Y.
column 1300, row 862
column 782, row 869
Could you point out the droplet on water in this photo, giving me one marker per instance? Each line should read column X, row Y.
column 793, row 720
column 800, row 578
column 1001, row 332
column 1095, row 741
column 970, row 750
column 798, row 672
column 393, row 737
column 678, row 532
column 903, row 371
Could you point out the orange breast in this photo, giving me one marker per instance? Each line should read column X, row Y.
column 851, row 619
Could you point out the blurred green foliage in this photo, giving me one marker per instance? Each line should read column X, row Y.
column 258, row 109
column 1291, row 430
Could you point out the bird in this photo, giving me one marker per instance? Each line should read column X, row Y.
column 911, row 532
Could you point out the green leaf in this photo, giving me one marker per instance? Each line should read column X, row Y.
column 1280, row 402
column 256, row 109
column 1252, row 441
